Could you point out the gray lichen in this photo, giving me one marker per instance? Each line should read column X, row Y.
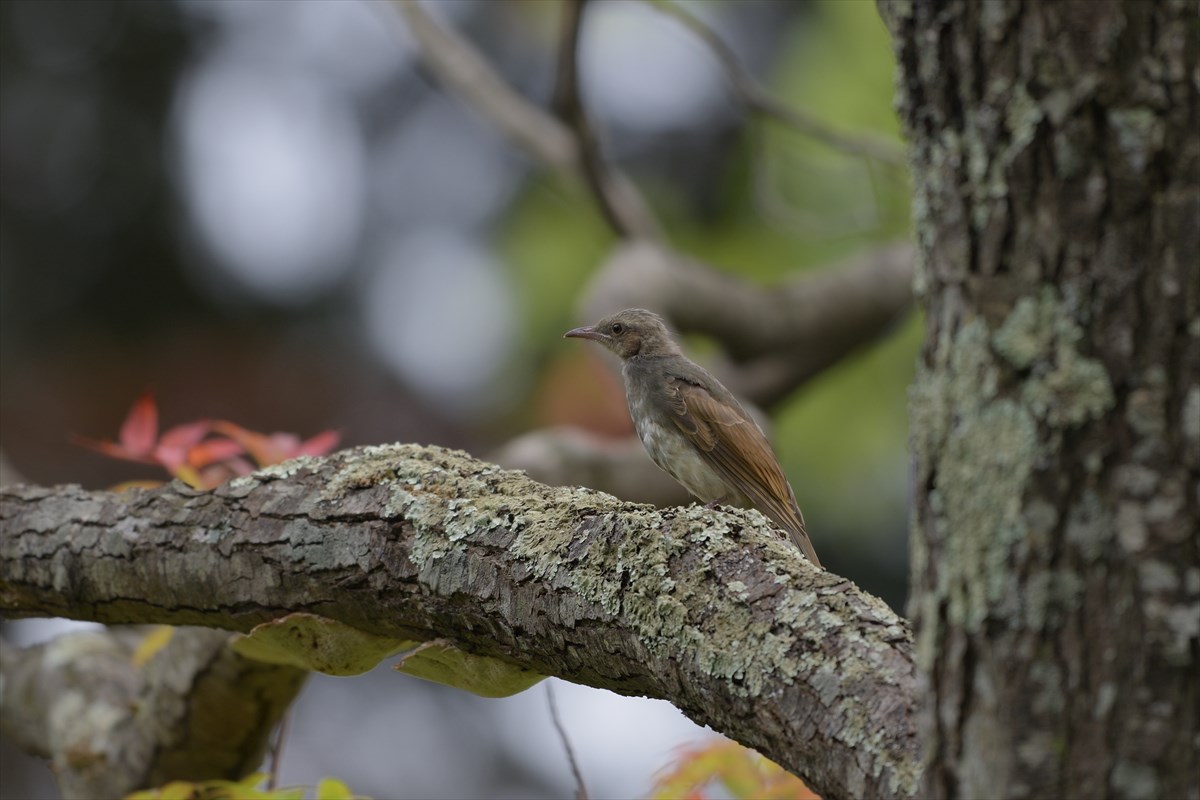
column 626, row 567
column 1065, row 388
column 983, row 445
column 1138, row 134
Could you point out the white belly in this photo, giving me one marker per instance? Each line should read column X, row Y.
column 673, row 453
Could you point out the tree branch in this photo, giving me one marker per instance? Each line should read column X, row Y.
column 110, row 725
column 711, row 610
column 568, row 101
column 464, row 70
column 777, row 336
column 565, row 456
column 756, row 97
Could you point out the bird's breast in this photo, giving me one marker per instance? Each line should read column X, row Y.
column 671, row 450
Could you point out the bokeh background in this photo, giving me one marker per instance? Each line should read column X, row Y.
column 266, row 211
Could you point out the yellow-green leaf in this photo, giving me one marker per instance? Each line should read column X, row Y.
column 317, row 643
column 151, row 643
column 481, row 675
column 333, row 789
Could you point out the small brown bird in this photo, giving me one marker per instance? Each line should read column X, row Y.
column 693, row 427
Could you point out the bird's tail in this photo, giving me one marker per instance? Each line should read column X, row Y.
column 800, row 537
column 793, row 522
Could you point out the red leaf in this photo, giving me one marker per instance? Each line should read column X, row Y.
column 320, row 444
column 185, row 435
column 175, row 444
column 214, row 475
column 111, row 449
column 277, row 447
column 212, row 451
column 125, row 486
column 140, row 428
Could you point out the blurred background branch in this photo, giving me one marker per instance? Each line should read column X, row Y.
column 759, row 100
column 568, row 146
column 777, row 337
column 569, row 105
column 115, row 711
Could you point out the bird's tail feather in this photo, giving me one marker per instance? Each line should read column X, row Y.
column 793, row 522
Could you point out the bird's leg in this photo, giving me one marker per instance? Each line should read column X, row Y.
column 716, row 504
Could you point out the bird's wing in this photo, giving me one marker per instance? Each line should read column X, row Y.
column 733, row 445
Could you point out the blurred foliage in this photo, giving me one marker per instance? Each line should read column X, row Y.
column 786, row 203
column 205, row 453
column 313, row 642
column 158, row 637
column 249, row 788
column 739, row 771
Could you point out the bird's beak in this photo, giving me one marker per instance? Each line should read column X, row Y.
column 586, row 332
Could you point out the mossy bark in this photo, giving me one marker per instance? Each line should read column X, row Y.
column 1056, row 412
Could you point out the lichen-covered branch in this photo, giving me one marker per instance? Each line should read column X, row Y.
column 110, row 724
column 711, row 610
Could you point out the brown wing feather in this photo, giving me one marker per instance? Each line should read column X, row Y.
column 734, row 446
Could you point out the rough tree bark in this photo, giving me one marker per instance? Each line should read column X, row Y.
column 1056, row 413
column 711, row 610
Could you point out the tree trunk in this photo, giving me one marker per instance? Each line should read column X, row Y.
column 1056, row 413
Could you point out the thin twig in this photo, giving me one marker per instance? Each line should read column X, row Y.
column 459, row 65
column 568, row 102
column 580, row 787
column 756, row 97
column 277, row 750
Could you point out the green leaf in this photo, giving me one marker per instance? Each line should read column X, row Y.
column 317, row 643
column 481, row 675
column 333, row 789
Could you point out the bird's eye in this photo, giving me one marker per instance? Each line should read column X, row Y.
column 616, row 328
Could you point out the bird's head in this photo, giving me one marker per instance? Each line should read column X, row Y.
column 629, row 333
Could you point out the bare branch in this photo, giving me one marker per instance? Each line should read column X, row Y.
column 580, row 787
column 756, row 97
column 564, row 456
column 569, row 103
column 464, row 70
column 712, row 610
column 777, row 336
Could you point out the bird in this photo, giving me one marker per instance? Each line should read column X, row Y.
column 693, row 427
